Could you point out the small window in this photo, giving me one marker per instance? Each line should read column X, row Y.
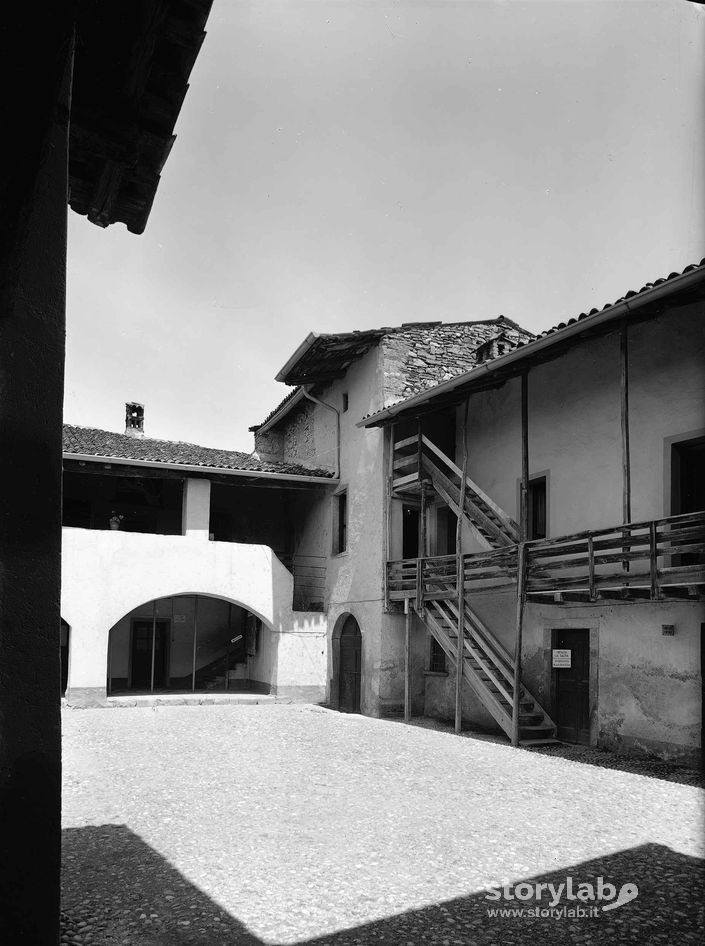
column 345, row 401
column 437, row 659
column 537, row 508
column 341, row 523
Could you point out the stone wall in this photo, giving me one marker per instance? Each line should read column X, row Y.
column 418, row 358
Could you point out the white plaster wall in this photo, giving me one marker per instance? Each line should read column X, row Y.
column 108, row 574
column 574, row 424
column 648, row 685
column 667, row 399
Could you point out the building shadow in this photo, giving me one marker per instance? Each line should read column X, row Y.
column 668, row 771
column 119, row 890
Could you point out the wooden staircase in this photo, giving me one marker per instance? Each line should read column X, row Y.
column 488, row 668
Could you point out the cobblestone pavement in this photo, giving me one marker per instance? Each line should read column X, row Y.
column 230, row 825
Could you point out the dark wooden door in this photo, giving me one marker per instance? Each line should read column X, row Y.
column 142, row 654
column 572, row 687
column 350, row 667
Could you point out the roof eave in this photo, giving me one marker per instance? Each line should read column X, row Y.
column 304, row 347
column 279, row 414
column 195, row 468
column 617, row 311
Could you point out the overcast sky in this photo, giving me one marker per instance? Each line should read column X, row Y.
column 342, row 165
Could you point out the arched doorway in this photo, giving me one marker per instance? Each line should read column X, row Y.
column 184, row 643
column 350, row 666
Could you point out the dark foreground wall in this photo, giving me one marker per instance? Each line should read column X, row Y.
column 36, row 54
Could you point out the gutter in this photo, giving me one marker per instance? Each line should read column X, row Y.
column 613, row 313
column 329, row 407
column 303, row 347
column 194, row 468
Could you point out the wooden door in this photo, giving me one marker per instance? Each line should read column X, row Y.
column 350, row 667
column 572, row 687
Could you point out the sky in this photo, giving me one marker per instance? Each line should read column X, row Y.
column 343, row 165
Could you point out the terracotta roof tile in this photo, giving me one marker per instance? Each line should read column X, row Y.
column 90, row 441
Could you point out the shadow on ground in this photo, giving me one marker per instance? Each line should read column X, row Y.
column 119, row 890
column 586, row 755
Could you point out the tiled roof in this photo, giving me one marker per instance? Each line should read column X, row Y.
column 632, row 299
column 628, row 296
column 89, row 441
column 290, row 397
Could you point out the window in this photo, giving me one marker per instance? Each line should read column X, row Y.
column 537, row 508
column 340, row 543
column 345, row 401
column 437, row 659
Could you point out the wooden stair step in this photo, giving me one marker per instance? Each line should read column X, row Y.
column 551, row 741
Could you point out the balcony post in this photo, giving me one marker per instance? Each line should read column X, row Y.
column 521, row 600
column 460, row 583
column 407, row 661
column 524, row 493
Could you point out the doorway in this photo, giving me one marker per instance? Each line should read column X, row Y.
column 350, row 666
column 571, row 684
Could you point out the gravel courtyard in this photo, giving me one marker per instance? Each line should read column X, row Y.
column 281, row 824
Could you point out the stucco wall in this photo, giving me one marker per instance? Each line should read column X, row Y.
column 648, row 685
column 574, row 424
column 108, row 574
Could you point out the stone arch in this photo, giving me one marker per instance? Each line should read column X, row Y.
column 186, row 642
column 346, row 647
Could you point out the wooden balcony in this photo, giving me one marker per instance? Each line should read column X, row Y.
column 664, row 558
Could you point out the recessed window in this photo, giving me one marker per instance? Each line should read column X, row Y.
column 340, row 543
column 537, row 508
column 345, row 401
column 437, row 662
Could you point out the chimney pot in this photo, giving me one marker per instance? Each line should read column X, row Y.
column 134, row 419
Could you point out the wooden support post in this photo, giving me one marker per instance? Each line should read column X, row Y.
column 407, row 661
column 460, row 584
column 521, row 600
column 653, row 563
column 591, row 567
column 388, row 517
column 626, row 464
column 624, row 421
column 524, row 493
column 460, row 652
column 419, row 448
column 419, row 585
column 423, row 540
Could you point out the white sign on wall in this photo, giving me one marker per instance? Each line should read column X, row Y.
column 561, row 659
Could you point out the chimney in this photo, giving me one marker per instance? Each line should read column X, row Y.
column 134, row 419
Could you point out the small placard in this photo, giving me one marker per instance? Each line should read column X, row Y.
column 561, row 659
column 179, row 619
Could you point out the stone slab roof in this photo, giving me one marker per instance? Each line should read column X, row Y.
column 321, row 358
column 92, row 442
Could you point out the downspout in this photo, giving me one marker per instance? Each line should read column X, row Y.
column 329, row 407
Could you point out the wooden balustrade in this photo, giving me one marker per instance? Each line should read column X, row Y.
column 643, row 559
